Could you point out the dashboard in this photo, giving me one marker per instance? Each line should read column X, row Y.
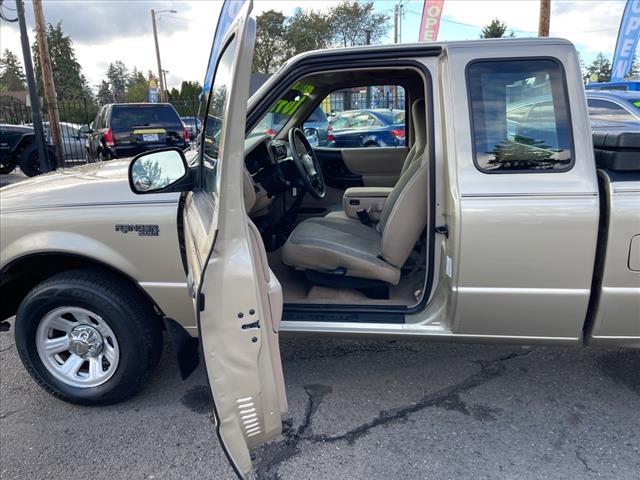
column 265, row 152
column 271, row 169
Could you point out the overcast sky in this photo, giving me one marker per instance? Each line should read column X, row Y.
column 105, row 31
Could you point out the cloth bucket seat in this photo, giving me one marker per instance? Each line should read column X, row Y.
column 340, row 244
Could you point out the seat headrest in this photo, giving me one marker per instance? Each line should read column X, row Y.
column 419, row 118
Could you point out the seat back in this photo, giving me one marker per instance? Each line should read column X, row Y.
column 404, row 215
column 419, row 146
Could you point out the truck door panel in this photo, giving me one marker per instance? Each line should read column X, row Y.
column 527, row 236
column 365, row 166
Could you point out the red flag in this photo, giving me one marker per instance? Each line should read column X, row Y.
column 430, row 23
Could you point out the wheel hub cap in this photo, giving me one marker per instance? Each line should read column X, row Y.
column 85, row 341
column 77, row 346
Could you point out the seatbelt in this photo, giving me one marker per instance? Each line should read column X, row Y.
column 364, row 217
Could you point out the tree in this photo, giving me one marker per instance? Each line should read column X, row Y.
column 104, row 93
column 600, row 68
column 190, row 90
column 174, row 94
column 309, row 30
column 271, row 42
column 118, row 78
column 67, row 72
column 11, row 74
column 495, row 29
column 351, row 20
column 137, row 87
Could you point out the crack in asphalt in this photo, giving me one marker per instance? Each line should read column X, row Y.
column 584, row 461
column 448, row 398
column 272, row 455
column 6, row 349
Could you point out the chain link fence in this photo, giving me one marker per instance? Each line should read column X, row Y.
column 391, row 97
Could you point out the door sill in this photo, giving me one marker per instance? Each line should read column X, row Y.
column 344, row 313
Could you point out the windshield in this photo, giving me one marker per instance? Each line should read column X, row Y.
column 125, row 116
column 283, row 110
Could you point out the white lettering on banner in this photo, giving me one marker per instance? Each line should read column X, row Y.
column 634, row 23
column 430, row 23
column 626, row 47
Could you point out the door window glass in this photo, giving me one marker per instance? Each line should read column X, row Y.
column 368, row 116
column 520, row 116
column 213, row 139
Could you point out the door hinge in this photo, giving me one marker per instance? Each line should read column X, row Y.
column 443, row 230
column 201, row 302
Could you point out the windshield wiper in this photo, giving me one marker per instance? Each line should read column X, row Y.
column 139, row 124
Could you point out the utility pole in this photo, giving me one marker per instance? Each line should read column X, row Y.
column 368, row 42
column 36, row 115
column 164, row 75
column 545, row 18
column 400, row 15
column 395, row 23
column 155, row 37
column 47, row 81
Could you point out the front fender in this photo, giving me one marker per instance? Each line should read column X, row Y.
column 66, row 242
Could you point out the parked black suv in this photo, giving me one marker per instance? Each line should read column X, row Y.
column 126, row 129
column 18, row 147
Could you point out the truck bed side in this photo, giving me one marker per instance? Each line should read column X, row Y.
column 614, row 314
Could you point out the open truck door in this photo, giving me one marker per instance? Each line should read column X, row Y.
column 237, row 299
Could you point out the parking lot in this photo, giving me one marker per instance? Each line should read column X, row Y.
column 358, row 410
column 13, row 177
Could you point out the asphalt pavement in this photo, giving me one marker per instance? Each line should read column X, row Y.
column 13, row 177
column 358, row 410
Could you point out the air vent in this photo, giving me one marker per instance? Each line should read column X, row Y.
column 281, row 152
column 249, row 416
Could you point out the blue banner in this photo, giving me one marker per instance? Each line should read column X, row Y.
column 627, row 41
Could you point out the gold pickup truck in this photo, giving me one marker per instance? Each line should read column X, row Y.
column 496, row 220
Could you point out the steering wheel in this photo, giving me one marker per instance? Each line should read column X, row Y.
column 307, row 163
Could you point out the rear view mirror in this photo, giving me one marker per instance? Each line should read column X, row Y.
column 84, row 130
column 158, row 171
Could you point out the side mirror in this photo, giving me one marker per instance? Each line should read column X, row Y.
column 160, row 171
column 84, row 130
column 312, row 136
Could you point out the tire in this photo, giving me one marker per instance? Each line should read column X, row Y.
column 8, row 168
column 89, row 301
column 103, row 156
column 371, row 144
column 30, row 163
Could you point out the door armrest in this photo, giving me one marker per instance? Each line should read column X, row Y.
column 371, row 199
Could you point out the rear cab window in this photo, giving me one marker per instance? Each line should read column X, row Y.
column 125, row 117
column 520, row 116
